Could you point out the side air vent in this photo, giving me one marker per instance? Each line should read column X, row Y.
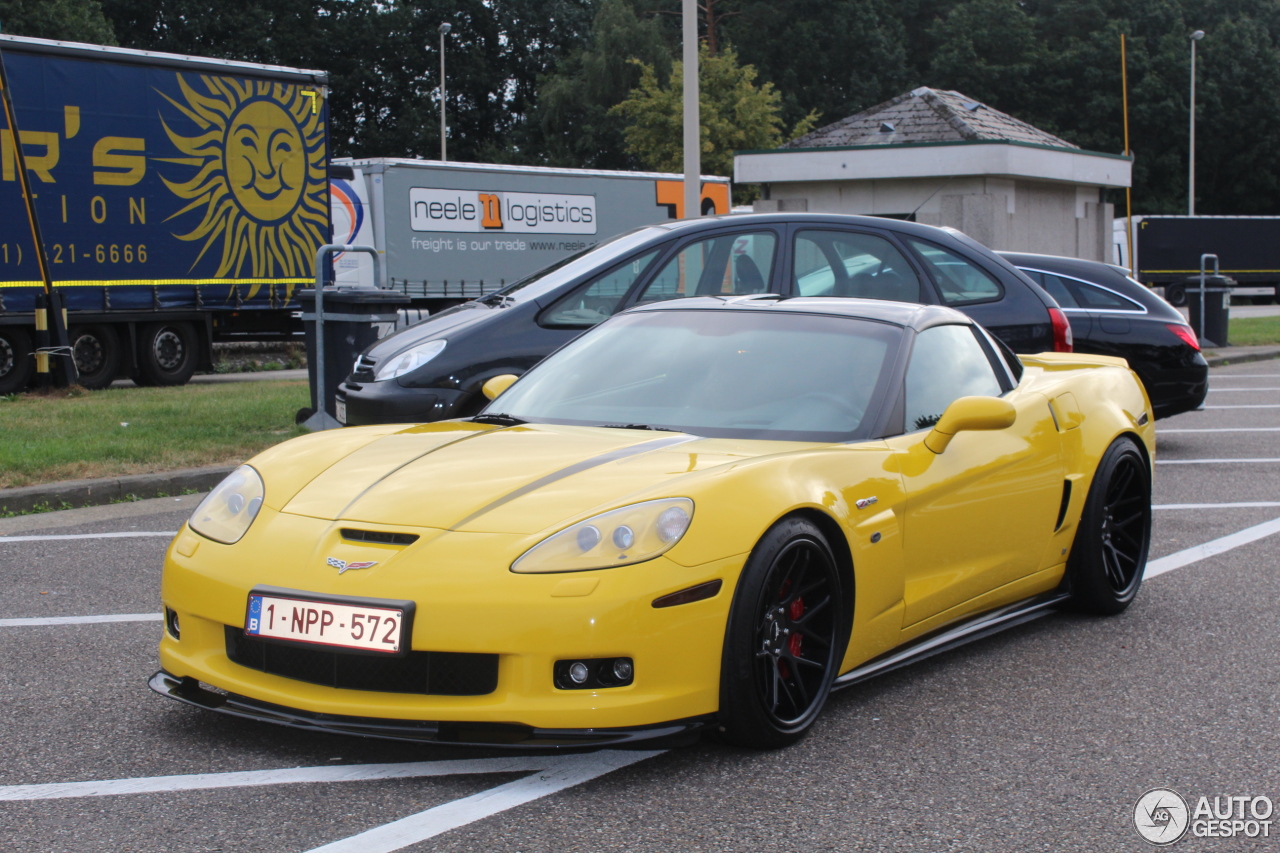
column 378, row 536
column 1066, row 501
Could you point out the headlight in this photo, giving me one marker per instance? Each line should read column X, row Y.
column 619, row 537
column 226, row 513
column 410, row 359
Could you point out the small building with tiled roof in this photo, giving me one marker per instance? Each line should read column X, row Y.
column 942, row 158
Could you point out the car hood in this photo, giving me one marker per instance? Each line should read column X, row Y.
column 439, row 325
column 463, row 476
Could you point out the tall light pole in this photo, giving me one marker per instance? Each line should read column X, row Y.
column 444, row 31
column 692, row 115
column 1191, row 165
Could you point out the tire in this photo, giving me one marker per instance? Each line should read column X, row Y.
column 97, row 354
column 1109, row 554
column 1176, row 296
column 784, row 639
column 16, row 360
column 166, row 353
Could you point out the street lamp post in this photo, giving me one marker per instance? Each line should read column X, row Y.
column 444, row 30
column 1191, row 163
column 692, row 113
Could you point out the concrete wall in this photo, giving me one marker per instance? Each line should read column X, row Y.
column 1002, row 213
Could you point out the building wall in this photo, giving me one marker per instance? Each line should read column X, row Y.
column 1004, row 214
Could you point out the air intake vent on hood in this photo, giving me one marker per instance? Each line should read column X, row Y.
column 379, row 536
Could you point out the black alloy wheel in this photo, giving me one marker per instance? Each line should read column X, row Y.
column 784, row 640
column 166, row 354
column 96, row 350
column 1110, row 550
column 16, row 360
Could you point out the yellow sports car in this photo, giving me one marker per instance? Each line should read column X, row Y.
column 704, row 513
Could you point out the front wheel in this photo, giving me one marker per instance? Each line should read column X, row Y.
column 1110, row 550
column 784, row 639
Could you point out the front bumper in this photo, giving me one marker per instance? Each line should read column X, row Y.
column 504, row 735
column 468, row 602
column 389, row 402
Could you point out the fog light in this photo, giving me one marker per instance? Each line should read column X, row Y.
column 622, row 669
column 579, row 672
column 171, row 623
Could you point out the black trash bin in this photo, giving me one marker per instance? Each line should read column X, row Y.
column 1217, row 303
column 351, row 318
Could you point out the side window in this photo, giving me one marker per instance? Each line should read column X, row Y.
column 958, row 278
column 718, row 266
column 844, row 263
column 593, row 303
column 947, row 363
column 1099, row 299
column 1058, row 289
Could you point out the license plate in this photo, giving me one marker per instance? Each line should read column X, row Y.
column 340, row 411
column 325, row 623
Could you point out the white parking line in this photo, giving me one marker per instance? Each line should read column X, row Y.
column 1209, row 549
column 65, row 536
column 1242, row 505
column 1219, row 429
column 37, row 621
column 285, row 776
column 1216, row 461
column 569, row 771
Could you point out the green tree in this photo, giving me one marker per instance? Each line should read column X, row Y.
column 736, row 114
column 573, row 112
column 69, row 20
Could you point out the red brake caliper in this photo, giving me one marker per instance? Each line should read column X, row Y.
column 795, row 611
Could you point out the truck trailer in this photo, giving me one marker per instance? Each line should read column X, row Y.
column 181, row 202
column 1167, row 252
column 449, row 232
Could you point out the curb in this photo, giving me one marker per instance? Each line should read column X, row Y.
column 81, row 493
column 1222, row 359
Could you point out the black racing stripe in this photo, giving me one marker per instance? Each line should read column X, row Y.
column 576, row 468
column 378, row 481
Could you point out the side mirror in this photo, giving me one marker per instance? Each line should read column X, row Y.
column 970, row 413
column 498, row 384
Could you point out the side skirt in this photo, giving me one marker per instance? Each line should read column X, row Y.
column 991, row 622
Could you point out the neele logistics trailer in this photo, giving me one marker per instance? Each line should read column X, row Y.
column 181, row 201
column 448, row 232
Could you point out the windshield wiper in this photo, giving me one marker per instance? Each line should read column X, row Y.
column 498, row 418
column 636, row 426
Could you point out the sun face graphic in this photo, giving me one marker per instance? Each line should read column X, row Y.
column 260, row 184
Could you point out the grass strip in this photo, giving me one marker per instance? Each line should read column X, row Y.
column 1254, row 331
column 75, row 434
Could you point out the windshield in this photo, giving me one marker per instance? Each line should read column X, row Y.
column 717, row 373
column 579, row 263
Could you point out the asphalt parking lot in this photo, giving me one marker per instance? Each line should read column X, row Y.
column 1040, row 738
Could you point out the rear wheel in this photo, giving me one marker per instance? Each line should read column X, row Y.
column 97, row 353
column 16, row 360
column 782, row 644
column 166, row 353
column 1110, row 550
column 1176, row 295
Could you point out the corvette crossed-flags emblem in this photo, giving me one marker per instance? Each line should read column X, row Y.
column 344, row 566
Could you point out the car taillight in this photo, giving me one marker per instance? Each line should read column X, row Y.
column 1063, row 340
column 1185, row 333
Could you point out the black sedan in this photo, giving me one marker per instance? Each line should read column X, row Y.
column 434, row 370
column 1111, row 314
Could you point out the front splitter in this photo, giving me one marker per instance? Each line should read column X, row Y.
column 491, row 735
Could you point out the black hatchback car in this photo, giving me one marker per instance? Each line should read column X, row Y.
column 434, row 370
column 1111, row 314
